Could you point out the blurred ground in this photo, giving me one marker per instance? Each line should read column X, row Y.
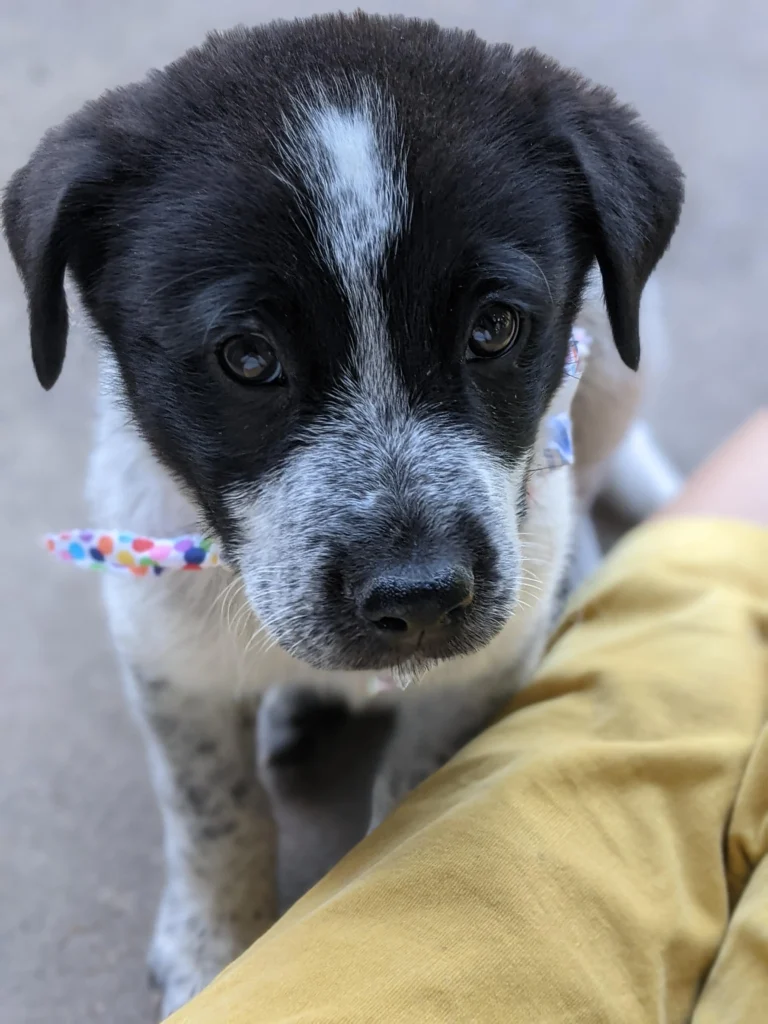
column 79, row 835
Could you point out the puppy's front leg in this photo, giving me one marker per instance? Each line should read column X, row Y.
column 219, row 891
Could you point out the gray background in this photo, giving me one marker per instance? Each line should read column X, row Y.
column 79, row 835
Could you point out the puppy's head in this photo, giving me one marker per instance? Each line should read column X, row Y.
column 336, row 263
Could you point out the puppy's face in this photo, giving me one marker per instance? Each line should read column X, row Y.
column 337, row 263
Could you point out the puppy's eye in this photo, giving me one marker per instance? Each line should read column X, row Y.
column 496, row 329
column 250, row 359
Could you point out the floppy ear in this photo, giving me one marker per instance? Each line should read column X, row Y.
column 625, row 187
column 44, row 210
column 633, row 192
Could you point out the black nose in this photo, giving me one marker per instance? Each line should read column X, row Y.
column 415, row 598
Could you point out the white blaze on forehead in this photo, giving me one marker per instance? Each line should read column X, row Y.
column 357, row 194
column 351, row 163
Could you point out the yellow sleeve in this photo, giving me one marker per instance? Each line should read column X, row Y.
column 568, row 864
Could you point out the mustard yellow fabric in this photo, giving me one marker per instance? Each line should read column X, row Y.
column 597, row 855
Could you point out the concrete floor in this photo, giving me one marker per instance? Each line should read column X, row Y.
column 79, row 836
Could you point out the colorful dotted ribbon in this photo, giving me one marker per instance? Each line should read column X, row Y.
column 137, row 555
column 131, row 552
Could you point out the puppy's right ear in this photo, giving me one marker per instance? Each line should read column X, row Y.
column 45, row 209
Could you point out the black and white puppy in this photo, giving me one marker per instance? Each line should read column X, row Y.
column 333, row 266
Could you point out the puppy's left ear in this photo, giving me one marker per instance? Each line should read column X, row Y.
column 44, row 211
column 629, row 194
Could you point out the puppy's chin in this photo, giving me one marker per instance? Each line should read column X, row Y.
column 322, row 646
column 403, row 668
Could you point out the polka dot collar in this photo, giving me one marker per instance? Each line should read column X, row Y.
column 137, row 555
column 132, row 552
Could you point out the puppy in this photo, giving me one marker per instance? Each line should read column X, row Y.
column 333, row 267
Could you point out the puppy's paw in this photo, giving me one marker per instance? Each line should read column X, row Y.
column 297, row 723
column 175, row 986
column 318, row 756
column 173, row 971
column 191, row 945
column 309, row 740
